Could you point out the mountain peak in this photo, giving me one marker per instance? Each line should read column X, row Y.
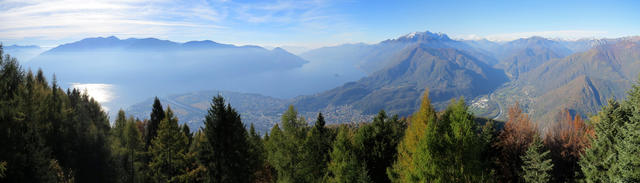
column 421, row 36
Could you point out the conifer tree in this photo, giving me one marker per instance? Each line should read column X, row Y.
column 315, row 153
column 284, row 147
column 404, row 169
column 536, row 164
column 134, row 146
column 628, row 145
column 168, row 160
column 227, row 151
column 345, row 165
column 157, row 115
column 376, row 145
column 598, row 164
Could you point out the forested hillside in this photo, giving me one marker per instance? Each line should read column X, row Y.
column 48, row 134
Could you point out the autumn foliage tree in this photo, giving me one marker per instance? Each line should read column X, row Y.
column 404, row 170
column 512, row 143
column 567, row 139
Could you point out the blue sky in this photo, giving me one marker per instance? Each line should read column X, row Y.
column 311, row 23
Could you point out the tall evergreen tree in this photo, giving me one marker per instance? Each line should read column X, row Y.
column 315, row 153
column 134, row 146
column 599, row 161
column 628, row 145
column 226, row 153
column 376, row 145
column 537, row 164
column 345, row 165
column 157, row 115
column 168, row 160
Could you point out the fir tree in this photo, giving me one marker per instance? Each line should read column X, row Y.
column 168, row 160
column 537, row 164
column 376, row 145
column 345, row 166
column 316, row 151
column 628, row 142
column 226, row 153
column 157, row 115
column 599, row 161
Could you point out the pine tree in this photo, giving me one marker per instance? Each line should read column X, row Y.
column 315, row 153
column 157, row 115
column 168, row 160
column 537, row 164
column 376, row 144
column 345, row 166
column 226, row 153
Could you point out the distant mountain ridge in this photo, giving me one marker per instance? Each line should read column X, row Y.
column 23, row 53
column 581, row 82
column 543, row 75
column 447, row 73
column 374, row 57
column 140, row 68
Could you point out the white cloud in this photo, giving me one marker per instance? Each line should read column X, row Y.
column 562, row 34
column 264, row 22
column 73, row 18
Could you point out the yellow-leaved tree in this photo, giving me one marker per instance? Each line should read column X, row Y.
column 404, row 169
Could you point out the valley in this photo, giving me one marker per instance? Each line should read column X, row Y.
column 350, row 83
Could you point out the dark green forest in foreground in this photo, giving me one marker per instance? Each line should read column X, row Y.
column 51, row 135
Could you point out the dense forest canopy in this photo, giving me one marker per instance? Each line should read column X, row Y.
column 48, row 134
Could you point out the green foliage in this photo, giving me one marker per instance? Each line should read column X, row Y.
column 285, row 152
column 447, row 148
column 315, row 152
column 3, row 169
column 376, row 144
column 404, row 169
column 126, row 149
column 536, row 163
column 168, row 151
column 613, row 155
column 345, row 165
column 41, row 124
column 628, row 143
column 598, row 162
column 157, row 115
column 227, row 151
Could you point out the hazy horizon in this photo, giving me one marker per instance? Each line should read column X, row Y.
column 309, row 24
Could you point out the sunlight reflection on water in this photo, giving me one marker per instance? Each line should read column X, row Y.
column 103, row 93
